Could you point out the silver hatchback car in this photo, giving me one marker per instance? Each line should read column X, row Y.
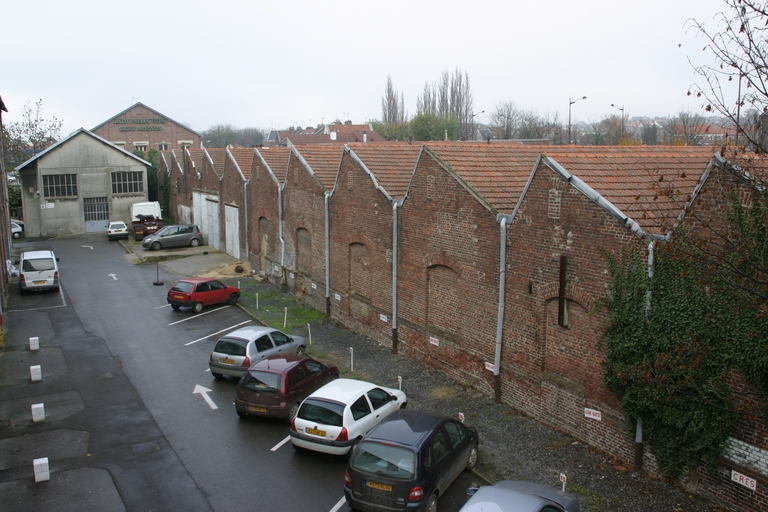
column 237, row 351
column 180, row 235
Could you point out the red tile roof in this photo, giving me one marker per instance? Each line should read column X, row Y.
column 391, row 164
column 277, row 160
column 324, row 162
column 218, row 156
column 244, row 159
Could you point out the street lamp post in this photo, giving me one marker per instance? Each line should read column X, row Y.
column 571, row 102
column 622, row 118
column 472, row 123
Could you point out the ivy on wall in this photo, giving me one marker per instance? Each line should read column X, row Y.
column 673, row 338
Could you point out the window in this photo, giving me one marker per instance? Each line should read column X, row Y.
column 184, row 144
column 59, row 185
column 140, row 147
column 216, row 285
column 313, row 367
column 162, row 147
column 360, row 408
column 280, row 338
column 436, row 450
column 300, row 374
column 263, row 344
column 456, row 432
column 127, row 182
column 378, row 397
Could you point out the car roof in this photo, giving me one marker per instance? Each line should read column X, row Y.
column 116, row 222
column 279, row 363
column 407, row 427
column 343, row 390
column 523, row 495
column 196, row 280
column 250, row 332
column 30, row 255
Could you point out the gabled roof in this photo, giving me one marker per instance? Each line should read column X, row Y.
column 390, row 165
column 140, row 104
column 276, row 160
column 322, row 161
column 73, row 135
column 244, row 159
column 218, row 156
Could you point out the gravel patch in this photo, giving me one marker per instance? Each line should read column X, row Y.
column 512, row 445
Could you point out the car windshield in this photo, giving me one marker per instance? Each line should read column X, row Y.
column 182, row 286
column 263, row 382
column 320, row 411
column 232, row 347
column 38, row 264
column 384, row 459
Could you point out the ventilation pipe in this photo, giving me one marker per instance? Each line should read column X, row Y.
column 327, row 256
column 639, row 448
column 280, row 229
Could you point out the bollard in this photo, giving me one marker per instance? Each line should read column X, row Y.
column 309, row 330
column 38, row 412
column 34, row 343
column 35, row 373
column 42, row 472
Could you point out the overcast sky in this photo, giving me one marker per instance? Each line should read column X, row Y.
column 276, row 64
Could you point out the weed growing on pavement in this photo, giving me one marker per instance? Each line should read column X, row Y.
column 594, row 501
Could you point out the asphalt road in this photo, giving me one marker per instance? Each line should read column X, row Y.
column 134, row 420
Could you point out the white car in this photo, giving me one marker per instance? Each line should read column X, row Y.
column 16, row 229
column 117, row 229
column 335, row 417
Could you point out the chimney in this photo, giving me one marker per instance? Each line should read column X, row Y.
column 489, row 140
column 333, row 135
column 410, row 140
column 365, row 138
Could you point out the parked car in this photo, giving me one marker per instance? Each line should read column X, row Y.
column 39, row 270
column 198, row 292
column 519, row 496
column 117, row 230
column 274, row 387
column 337, row 416
column 177, row 235
column 237, row 351
column 17, row 230
column 408, row 461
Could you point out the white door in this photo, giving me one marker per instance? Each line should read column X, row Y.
column 232, row 230
column 212, row 217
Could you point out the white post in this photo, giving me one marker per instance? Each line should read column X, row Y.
column 36, row 373
column 238, row 285
column 42, row 472
column 399, row 383
column 38, row 412
column 257, row 302
column 285, row 318
column 309, row 329
column 34, row 343
column 351, row 359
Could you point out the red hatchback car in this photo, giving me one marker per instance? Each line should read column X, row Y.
column 197, row 292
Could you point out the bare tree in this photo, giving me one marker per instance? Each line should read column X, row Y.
column 34, row 133
column 687, row 129
column 534, row 126
column 740, row 51
column 392, row 105
column 505, row 119
column 596, row 133
column 613, row 130
column 250, row 137
column 220, row 136
column 451, row 96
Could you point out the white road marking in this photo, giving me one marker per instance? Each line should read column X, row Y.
column 281, row 443
column 113, row 276
column 161, row 307
column 215, row 333
column 88, row 246
column 198, row 315
column 204, row 393
column 340, row 504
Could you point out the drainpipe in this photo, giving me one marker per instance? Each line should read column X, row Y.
column 639, row 422
column 395, row 206
column 500, row 318
column 327, row 256
column 280, row 231
column 245, row 202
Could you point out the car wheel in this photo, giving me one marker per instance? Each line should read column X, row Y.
column 156, row 246
column 301, row 350
column 216, row 375
column 292, row 412
column 297, row 448
column 194, row 242
column 334, row 376
column 198, row 307
column 472, row 461
column 403, row 405
column 16, row 235
column 241, row 413
column 175, row 307
column 233, row 299
column 432, row 504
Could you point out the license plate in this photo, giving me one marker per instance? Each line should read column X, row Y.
column 316, row 432
column 226, row 361
column 257, row 409
column 39, row 282
column 377, row 485
column 178, row 296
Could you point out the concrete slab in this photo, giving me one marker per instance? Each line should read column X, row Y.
column 57, row 407
column 56, row 445
column 16, row 363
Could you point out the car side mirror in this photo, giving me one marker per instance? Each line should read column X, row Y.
column 472, row 490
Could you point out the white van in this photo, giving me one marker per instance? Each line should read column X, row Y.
column 38, row 270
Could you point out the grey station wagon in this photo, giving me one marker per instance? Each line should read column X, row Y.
column 181, row 235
